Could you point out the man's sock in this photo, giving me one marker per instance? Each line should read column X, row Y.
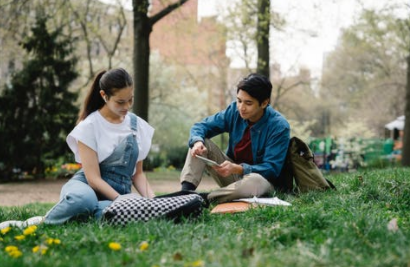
column 187, row 186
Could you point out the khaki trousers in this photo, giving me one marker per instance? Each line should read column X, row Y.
column 232, row 187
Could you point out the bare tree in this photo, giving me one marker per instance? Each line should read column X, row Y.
column 80, row 15
column 96, row 22
column 143, row 24
column 89, row 22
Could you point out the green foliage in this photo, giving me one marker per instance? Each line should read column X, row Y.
column 154, row 160
column 301, row 129
column 364, row 223
column 170, row 156
column 365, row 75
column 176, row 156
column 37, row 109
column 247, row 23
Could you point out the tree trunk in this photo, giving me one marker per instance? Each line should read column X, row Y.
column 263, row 25
column 406, row 136
column 142, row 31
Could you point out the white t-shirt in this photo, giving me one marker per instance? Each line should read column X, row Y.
column 103, row 136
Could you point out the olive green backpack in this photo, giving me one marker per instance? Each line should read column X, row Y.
column 300, row 166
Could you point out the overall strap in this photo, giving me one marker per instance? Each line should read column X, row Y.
column 133, row 122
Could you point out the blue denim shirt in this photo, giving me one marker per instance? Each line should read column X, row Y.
column 270, row 138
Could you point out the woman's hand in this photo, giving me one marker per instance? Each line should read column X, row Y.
column 140, row 182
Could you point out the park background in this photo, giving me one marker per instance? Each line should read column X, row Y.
column 338, row 69
column 348, row 105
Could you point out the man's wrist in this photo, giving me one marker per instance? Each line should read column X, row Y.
column 199, row 141
column 193, row 141
column 239, row 169
column 246, row 168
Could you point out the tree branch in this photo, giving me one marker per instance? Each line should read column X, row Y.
column 166, row 11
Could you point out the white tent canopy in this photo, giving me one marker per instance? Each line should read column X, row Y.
column 396, row 124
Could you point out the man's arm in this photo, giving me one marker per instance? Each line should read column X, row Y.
column 210, row 126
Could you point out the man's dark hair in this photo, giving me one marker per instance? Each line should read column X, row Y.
column 257, row 86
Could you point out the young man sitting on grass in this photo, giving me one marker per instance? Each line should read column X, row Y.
column 258, row 142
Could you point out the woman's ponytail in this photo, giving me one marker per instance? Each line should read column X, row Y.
column 93, row 101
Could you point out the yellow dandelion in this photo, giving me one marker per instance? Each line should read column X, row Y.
column 40, row 249
column 30, row 230
column 114, row 246
column 5, row 230
column 11, row 248
column 19, row 237
column 43, row 250
column 197, row 263
column 144, row 245
column 53, row 241
column 15, row 253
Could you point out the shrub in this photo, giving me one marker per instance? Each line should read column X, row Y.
column 176, row 156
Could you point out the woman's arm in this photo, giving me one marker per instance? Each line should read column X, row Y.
column 89, row 161
column 141, row 183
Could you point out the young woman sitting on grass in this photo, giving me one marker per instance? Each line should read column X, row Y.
column 111, row 143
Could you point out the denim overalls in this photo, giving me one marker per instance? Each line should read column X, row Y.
column 79, row 200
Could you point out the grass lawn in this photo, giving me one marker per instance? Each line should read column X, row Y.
column 366, row 222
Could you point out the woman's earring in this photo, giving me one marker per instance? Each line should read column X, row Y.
column 105, row 99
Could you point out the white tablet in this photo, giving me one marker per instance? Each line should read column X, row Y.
column 208, row 161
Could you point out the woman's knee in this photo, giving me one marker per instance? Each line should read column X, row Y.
column 80, row 194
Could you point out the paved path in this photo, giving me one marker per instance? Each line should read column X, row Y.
column 48, row 191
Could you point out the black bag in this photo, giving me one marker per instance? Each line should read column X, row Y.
column 132, row 208
column 300, row 166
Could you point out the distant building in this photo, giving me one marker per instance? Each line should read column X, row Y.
column 181, row 39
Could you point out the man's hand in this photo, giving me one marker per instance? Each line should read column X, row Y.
column 227, row 168
column 198, row 149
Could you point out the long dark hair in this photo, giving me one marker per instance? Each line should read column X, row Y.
column 110, row 82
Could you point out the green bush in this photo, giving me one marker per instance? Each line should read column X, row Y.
column 173, row 157
column 176, row 156
column 154, row 160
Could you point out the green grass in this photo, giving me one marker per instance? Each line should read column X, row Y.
column 347, row 227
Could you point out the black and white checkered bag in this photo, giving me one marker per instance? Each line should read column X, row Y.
column 132, row 207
